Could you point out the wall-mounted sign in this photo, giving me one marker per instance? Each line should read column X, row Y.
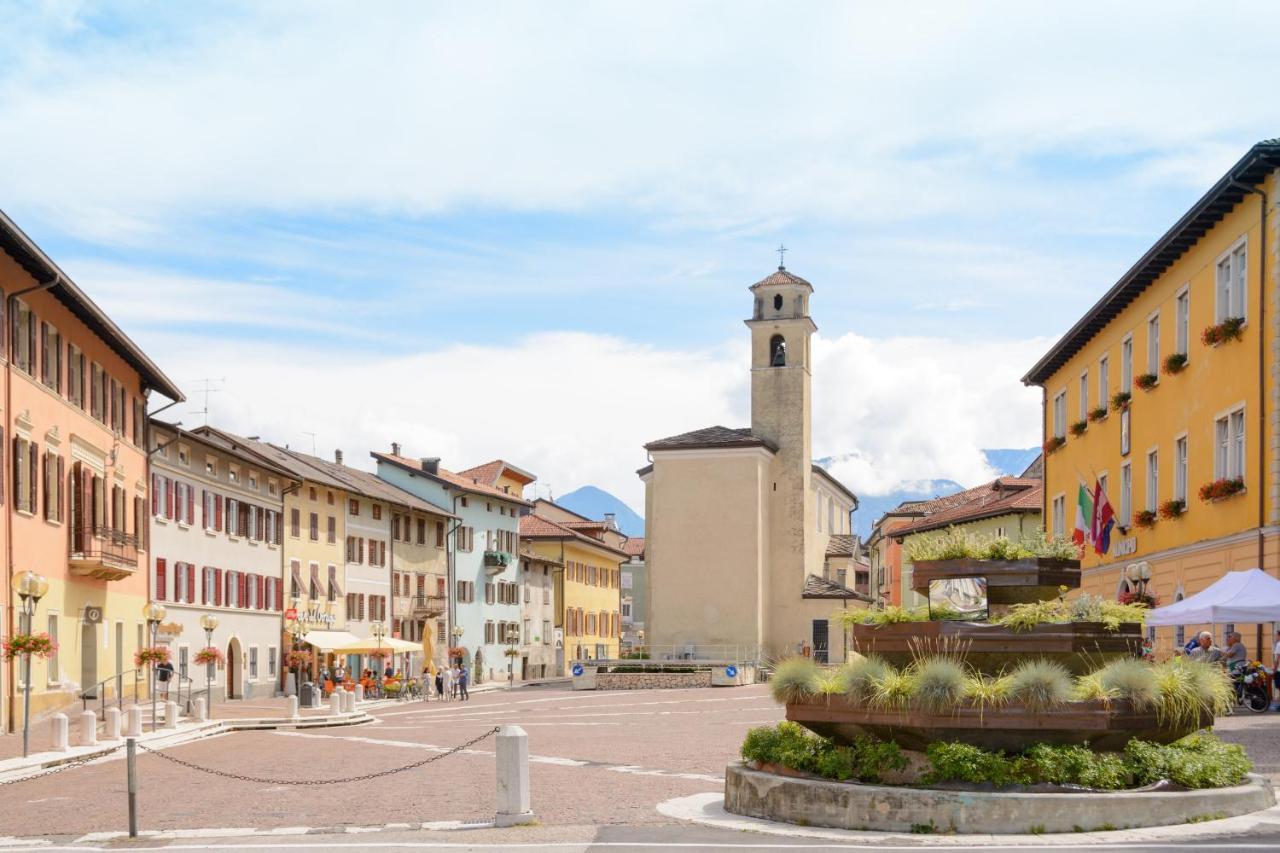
column 1124, row 431
column 93, row 615
column 1125, row 547
column 319, row 616
column 291, row 613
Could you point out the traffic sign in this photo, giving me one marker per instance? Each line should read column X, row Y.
column 578, row 670
column 731, row 671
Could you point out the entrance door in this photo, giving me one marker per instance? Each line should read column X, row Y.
column 88, row 655
column 234, row 688
column 820, row 633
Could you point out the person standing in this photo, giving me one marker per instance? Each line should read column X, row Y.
column 440, row 683
column 446, row 689
column 164, row 672
column 463, row 678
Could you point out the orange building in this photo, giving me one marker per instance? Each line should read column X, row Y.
column 75, row 392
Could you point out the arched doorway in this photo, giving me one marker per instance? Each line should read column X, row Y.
column 235, row 689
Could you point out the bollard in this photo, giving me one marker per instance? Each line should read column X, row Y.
column 291, row 707
column 131, row 779
column 88, row 728
column 111, row 725
column 513, row 778
column 335, row 702
column 348, row 702
column 61, row 733
column 199, row 710
column 135, row 722
column 170, row 715
column 359, row 692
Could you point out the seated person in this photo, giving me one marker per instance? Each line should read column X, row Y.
column 1236, row 654
column 1205, row 649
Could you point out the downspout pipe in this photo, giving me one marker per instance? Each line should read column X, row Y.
column 8, row 516
column 451, row 573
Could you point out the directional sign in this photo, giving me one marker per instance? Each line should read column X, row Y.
column 578, row 670
column 731, row 671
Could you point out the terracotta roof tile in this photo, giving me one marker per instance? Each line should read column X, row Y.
column 819, row 587
column 489, row 472
column 841, row 545
column 534, row 526
column 634, row 546
column 1002, row 496
column 710, row 437
column 467, row 484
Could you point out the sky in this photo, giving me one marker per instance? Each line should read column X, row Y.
column 526, row 230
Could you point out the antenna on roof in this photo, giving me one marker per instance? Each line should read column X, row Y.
column 313, row 441
column 208, row 386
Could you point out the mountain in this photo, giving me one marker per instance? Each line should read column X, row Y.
column 594, row 503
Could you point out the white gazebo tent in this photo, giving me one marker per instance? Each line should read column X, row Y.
column 1246, row 596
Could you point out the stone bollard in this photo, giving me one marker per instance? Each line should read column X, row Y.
column 513, row 778
column 348, row 702
column 88, row 728
column 111, row 724
column 135, row 722
column 359, row 692
column 170, row 715
column 335, row 702
column 199, row 710
column 61, row 733
column 291, row 707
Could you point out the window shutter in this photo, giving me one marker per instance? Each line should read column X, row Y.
column 161, row 580
column 168, row 499
column 60, row 515
column 191, row 583
column 217, row 587
column 217, row 512
column 242, row 595
column 191, row 505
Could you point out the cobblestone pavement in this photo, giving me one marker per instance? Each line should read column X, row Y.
column 598, row 760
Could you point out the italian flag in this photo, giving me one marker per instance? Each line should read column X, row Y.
column 1084, row 518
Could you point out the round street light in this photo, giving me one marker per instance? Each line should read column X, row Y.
column 30, row 587
column 209, row 622
column 154, row 614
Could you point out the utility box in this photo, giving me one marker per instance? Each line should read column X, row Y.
column 307, row 694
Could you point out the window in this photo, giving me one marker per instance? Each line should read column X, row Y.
column 1180, row 469
column 295, row 522
column 1232, row 290
column 1084, row 395
column 1126, row 495
column 53, row 477
column 233, row 474
column 253, row 663
column 377, row 512
column 75, row 376
column 1153, row 344
column 1104, row 379
column 26, row 474
column 315, row 582
column 253, row 482
column 1228, row 459
column 315, row 527
column 422, row 532
column 1153, row 480
column 1060, row 414
column 353, row 507
column 334, row 592
column 1182, row 321
column 332, row 532
column 183, row 662
column 50, row 357
column 1059, row 516
column 54, row 670
column 211, row 467
column 1126, row 363
column 271, row 662
column 24, row 338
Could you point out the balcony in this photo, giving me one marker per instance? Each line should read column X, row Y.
column 427, row 606
column 496, row 561
column 103, row 553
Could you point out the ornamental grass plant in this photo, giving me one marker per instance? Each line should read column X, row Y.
column 956, row 544
column 795, row 679
column 858, row 675
column 1131, row 679
column 1040, row 685
column 938, row 683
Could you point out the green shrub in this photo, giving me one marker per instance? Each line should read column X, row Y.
column 889, row 615
column 1086, row 608
column 795, row 679
column 1187, row 687
column 938, row 683
column 1196, row 761
column 892, row 689
column 1132, row 679
column 956, row 544
column 856, row 677
column 1040, row 684
column 960, row 762
column 988, row 691
column 1079, row 765
column 790, row 745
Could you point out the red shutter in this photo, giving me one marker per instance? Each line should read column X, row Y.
column 168, row 499
column 191, row 505
column 204, row 585
column 217, row 512
column 204, row 509
column 155, row 494
column 262, row 592
column 217, row 587
column 279, row 596
column 161, row 581
column 191, row 583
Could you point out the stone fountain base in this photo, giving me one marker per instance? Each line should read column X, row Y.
column 811, row 801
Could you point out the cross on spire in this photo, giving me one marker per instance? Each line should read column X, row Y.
column 781, row 250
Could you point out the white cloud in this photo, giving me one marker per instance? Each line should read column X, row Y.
column 576, row 408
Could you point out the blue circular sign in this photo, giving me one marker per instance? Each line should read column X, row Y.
column 577, row 669
column 731, row 671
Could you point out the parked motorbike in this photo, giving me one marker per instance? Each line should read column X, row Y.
column 1253, row 686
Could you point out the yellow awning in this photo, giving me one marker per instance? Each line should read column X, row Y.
column 371, row 644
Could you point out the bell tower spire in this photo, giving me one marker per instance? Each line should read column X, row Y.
column 780, row 360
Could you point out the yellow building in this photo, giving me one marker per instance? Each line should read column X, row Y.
column 1165, row 394
column 587, row 590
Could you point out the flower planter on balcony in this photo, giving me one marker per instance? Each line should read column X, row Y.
column 497, row 559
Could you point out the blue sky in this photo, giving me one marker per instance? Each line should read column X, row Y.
column 391, row 224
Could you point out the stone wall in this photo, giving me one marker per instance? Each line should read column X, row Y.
column 651, row 680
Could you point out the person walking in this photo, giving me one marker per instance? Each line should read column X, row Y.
column 463, row 678
column 440, row 683
column 446, row 689
column 164, row 672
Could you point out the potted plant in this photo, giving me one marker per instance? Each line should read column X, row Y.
column 1175, row 363
column 1097, row 414
column 1146, row 381
column 1171, row 509
column 1077, row 429
column 1230, row 329
column 1120, row 400
column 1054, row 443
column 154, row 655
column 39, row 645
column 1221, row 489
column 210, row 654
column 1144, row 598
column 1146, row 519
column 297, row 660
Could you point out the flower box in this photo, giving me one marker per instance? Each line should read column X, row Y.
column 1221, row 489
column 1146, row 519
column 1146, row 381
column 1097, row 414
column 1120, row 400
column 39, row 645
column 1054, row 443
column 1078, row 428
column 154, row 656
column 1173, row 509
column 1231, row 329
column 1175, row 364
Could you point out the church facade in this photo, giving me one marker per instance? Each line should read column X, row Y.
column 738, row 520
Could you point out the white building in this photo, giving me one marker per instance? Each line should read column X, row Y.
column 215, row 537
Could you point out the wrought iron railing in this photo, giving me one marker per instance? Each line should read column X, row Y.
column 105, row 544
column 428, row 604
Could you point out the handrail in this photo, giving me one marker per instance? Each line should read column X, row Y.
column 99, row 691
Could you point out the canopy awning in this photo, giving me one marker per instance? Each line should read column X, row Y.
column 328, row 641
column 370, row 644
column 1251, row 595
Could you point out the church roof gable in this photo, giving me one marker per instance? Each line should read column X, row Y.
column 711, row 438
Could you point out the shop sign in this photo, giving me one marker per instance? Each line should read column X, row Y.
column 1125, row 547
column 320, row 616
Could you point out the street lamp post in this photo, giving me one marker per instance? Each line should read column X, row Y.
column 1140, row 575
column 30, row 588
column 154, row 614
column 379, row 630
column 294, row 628
column 513, row 639
column 208, row 621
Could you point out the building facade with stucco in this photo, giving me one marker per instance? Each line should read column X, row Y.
column 738, row 521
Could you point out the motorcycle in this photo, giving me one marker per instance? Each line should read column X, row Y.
column 1253, row 686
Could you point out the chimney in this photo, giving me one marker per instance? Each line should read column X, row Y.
column 431, row 464
column 337, row 456
column 610, row 521
column 395, row 448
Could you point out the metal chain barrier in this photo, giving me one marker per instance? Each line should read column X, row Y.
column 79, row 762
column 259, row 780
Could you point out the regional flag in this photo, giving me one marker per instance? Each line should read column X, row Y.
column 1104, row 518
column 1084, row 517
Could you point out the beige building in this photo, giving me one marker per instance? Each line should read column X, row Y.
column 739, row 520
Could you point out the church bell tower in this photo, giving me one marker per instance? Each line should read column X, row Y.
column 780, row 363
